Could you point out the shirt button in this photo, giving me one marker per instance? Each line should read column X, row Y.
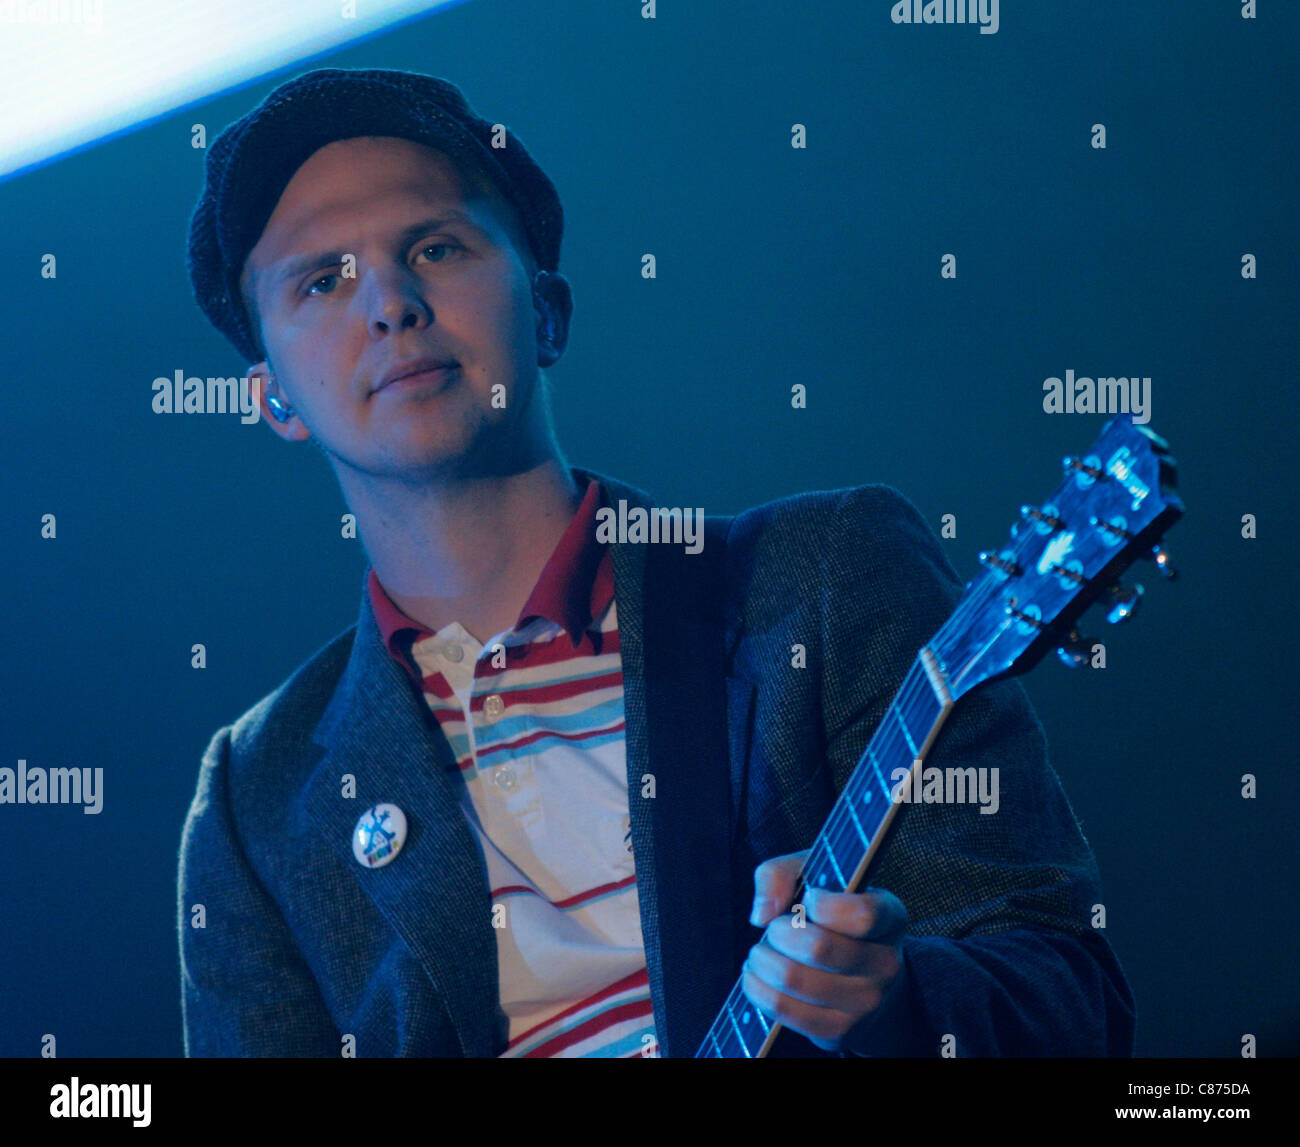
column 493, row 707
column 504, row 778
column 453, row 652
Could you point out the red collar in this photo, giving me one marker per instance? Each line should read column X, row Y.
column 575, row 585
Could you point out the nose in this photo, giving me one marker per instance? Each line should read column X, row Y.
column 394, row 301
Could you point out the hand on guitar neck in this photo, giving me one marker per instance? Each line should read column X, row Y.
column 827, row 965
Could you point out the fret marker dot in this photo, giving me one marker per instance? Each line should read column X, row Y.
column 866, row 797
column 822, row 878
column 744, row 1019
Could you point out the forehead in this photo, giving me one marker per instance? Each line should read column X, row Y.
column 372, row 182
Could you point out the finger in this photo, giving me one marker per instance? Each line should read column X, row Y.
column 775, row 881
column 819, row 947
column 826, row 1027
column 854, row 995
column 872, row 914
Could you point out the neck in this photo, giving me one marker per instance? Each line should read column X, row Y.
column 468, row 551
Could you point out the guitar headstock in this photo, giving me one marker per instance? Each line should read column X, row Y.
column 1114, row 506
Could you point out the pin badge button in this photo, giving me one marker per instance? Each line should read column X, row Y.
column 379, row 835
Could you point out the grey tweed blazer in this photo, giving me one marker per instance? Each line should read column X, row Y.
column 303, row 948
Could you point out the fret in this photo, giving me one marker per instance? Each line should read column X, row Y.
column 716, row 1046
column 724, row 1038
column 898, row 716
column 876, row 776
column 743, row 1045
column 891, row 751
column 876, row 773
column 843, row 845
column 863, row 835
column 938, row 682
column 830, row 855
column 924, row 705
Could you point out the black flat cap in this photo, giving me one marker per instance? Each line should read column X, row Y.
column 251, row 162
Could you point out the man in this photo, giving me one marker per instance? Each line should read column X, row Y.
column 542, row 798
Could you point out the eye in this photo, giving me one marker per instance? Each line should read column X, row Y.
column 440, row 246
column 311, row 287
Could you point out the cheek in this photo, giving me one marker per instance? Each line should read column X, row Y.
column 494, row 328
column 302, row 324
column 506, row 296
column 315, row 351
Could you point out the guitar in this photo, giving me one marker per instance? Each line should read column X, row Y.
column 1115, row 504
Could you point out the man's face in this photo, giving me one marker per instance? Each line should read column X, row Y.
column 437, row 275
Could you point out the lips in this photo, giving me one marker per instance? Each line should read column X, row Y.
column 413, row 367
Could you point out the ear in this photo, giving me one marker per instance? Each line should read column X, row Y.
column 553, row 302
column 291, row 429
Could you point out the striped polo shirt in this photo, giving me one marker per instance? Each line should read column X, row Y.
column 534, row 717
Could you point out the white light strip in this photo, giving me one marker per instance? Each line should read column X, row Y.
column 75, row 71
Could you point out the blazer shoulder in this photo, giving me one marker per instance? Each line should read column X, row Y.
column 801, row 535
column 792, row 559
column 875, row 504
column 289, row 713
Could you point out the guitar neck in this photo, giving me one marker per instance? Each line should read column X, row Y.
column 851, row 836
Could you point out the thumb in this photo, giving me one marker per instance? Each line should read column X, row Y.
column 774, row 883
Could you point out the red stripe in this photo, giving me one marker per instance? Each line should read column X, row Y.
column 638, row 979
column 590, row 1028
column 512, row 888
column 568, row 901
column 544, row 692
column 435, row 685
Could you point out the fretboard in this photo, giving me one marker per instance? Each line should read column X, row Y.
column 848, row 841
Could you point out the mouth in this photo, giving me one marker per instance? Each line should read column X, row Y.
column 419, row 375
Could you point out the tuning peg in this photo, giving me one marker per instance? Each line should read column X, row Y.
column 1160, row 556
column 1113, row 531
column 1086, row 470
column 1047, row 517
column 1002, row 562
column 1124, row 602
column 1076, row 651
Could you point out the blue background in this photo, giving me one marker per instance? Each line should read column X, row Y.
column 775, row 266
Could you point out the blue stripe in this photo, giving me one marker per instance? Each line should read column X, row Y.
column 623, row 1046
column 509, row 727
column 551, row 744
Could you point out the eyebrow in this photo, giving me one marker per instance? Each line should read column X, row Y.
column 301, row 264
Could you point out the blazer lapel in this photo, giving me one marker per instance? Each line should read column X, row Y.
column 435, row 892
column 672, row 638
